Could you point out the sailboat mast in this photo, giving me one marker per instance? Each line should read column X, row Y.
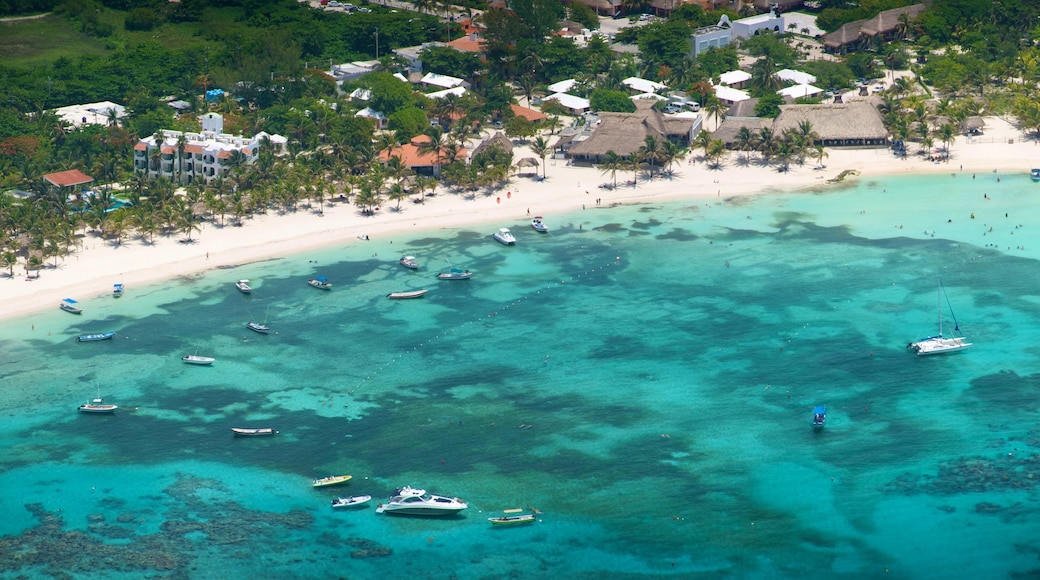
column 938, row 298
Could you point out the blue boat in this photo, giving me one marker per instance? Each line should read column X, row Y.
column 819, row 415
column 95, row 337
column 70, row 305
column 117, row 290
column 1035, row 174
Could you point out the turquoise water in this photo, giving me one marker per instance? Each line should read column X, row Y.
column 644, row 375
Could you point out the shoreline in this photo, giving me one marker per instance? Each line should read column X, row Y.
column 90, row 271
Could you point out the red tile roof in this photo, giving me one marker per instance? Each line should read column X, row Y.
column 411, row 157
column 68, row 178
column 529, row 114
column 168, row 149
column 193, row 149
column 141, row 147
column 468, row 43
column 224, row 155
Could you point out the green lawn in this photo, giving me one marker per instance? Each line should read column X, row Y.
column 28, row 43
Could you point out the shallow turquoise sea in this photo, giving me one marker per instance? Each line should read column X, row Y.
column 642, row 375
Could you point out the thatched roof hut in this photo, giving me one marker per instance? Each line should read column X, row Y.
column 730, row 126
column 527, row 162
column 838, row 124
column 625, row 133
column 498, row 141
column 973, row 125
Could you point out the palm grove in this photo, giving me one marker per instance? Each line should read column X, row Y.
column 268, row 55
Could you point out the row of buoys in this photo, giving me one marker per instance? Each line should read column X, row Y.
column 490, row 315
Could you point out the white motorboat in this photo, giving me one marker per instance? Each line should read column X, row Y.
column 243, row 286
column 455, row 274
column 416, row 502
column 410, row 262
column 321, row 282
column 97, row 405
column 257, row 327
column 251, row 432
column 538, row 225
column 194, row 359
column 940, row 344
column 504, row 236
column 352, row 501
column 407, row 295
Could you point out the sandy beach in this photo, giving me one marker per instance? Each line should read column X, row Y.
column 92, row 269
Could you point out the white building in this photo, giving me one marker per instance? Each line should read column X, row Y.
column 730, row 95
column 206, row 155
column 799, row 91
column 574, row 105
column 709, row 37
column 752, row 25
column 91, row 113
column 734, row 78
column 796, row 77
column 643, row 85
column 442, row 81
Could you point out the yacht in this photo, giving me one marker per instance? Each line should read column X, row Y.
column 410, row 262
column 416, row 502
column 504, row 236
column 243, row 286
column 538, row 225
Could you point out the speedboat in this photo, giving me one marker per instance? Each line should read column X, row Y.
column 243, row 286
column 331, row 480
column 538, row 225
column 455, row 274
column 407, row 295
column 416, row 502
column 245, row 432
column 409, row 262
column 819, row 415
column 70, row 305
column 321, row 282
column 97, row 406
column 194, row 359
column 257, row 327
column 117, row 290
column 95, row 337
column 1035, row 174
column 351, row 501
column 504, row 236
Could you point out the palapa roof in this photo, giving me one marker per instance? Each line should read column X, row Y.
column 885, row 21
column 727, row 131
column 497, row 141
column 834, row 121
column 625, row 133
column 68, row 178
column 973, row 123
column 528, row 162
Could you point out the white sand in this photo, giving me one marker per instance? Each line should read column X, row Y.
column 90, row 272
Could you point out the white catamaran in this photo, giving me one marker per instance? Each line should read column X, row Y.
column 940, row 344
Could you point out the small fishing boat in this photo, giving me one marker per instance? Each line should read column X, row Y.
column 503, row 235
column 321, row 282
column 117, row 290
column 70, row 305
column 244, row 432
column 331, row 480
column 407, row 295
column 95, row 337
column 195, row 359
column 409, row 262
column 97, row 405
column 538, row 225
column 513, row 520
column 1035, row 174
column 455, row 274
column 352, row 501
column 257, row 327
column 244, row 287
column 819, row 415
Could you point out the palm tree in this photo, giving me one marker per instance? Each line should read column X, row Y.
column 671, row 152
column 703, row 140
column 542, row 149
column 714, row 107
column 766, row 142
column 746, row 141
column 437, row 145
column 650, row 152
column 182, row 143
column 946, row 135
column 612, row 163
column 820, row 154
column 716, row 151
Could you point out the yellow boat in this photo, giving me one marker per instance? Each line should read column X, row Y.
column 331, row 480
